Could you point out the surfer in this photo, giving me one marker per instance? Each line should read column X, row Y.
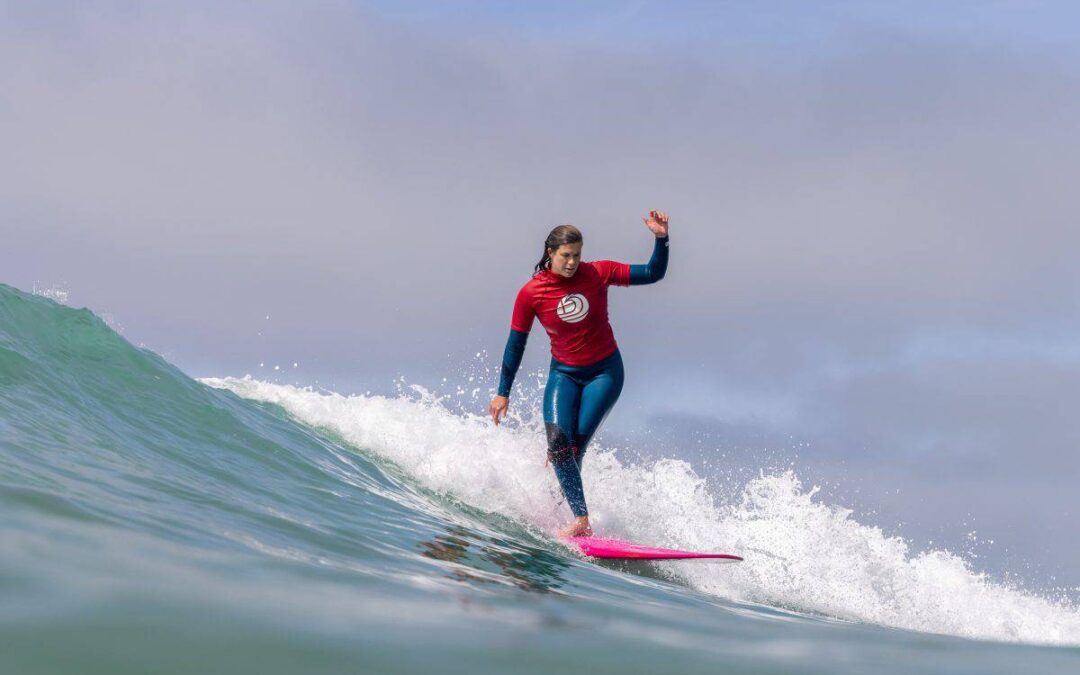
column 569, row 297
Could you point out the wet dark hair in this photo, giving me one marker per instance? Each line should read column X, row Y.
column 563, row 234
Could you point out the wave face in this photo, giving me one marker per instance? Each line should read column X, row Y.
column 149, row 521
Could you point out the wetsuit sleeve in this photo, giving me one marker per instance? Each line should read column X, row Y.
column 655, row 269
column 515, row 349
column 520, row 325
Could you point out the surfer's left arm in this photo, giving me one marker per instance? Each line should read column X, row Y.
column 656, row 268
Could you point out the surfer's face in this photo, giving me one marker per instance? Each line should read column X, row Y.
column 565, row 259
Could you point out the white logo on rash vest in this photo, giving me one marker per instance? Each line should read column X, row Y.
column 573, row 308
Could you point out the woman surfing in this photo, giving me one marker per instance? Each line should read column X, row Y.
column 569, row 297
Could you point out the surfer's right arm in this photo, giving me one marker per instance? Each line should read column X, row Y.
column 520, row 324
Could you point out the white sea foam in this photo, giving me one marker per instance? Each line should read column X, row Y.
column 801, row 554
column 54, row 292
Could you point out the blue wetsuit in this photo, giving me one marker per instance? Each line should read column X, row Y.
column 576, row 401
column 578, row 398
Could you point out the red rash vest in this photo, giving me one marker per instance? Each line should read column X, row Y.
column 573, row 311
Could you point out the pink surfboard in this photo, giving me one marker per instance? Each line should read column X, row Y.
column 598, row 547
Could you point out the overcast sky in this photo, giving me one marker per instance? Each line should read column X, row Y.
column 874, row 215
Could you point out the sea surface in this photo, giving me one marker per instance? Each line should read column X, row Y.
column 150, row 522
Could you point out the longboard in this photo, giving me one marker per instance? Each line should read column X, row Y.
column 599, row 547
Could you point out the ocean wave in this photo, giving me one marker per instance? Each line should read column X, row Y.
column 801, row 554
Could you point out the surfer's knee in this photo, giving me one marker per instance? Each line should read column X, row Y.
column 565, row 460
column 580, row 442
column 560, row 447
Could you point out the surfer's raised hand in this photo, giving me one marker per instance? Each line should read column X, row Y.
column 498, row 407
column 657, row 222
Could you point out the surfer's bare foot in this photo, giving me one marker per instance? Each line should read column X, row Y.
column 579, row 528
